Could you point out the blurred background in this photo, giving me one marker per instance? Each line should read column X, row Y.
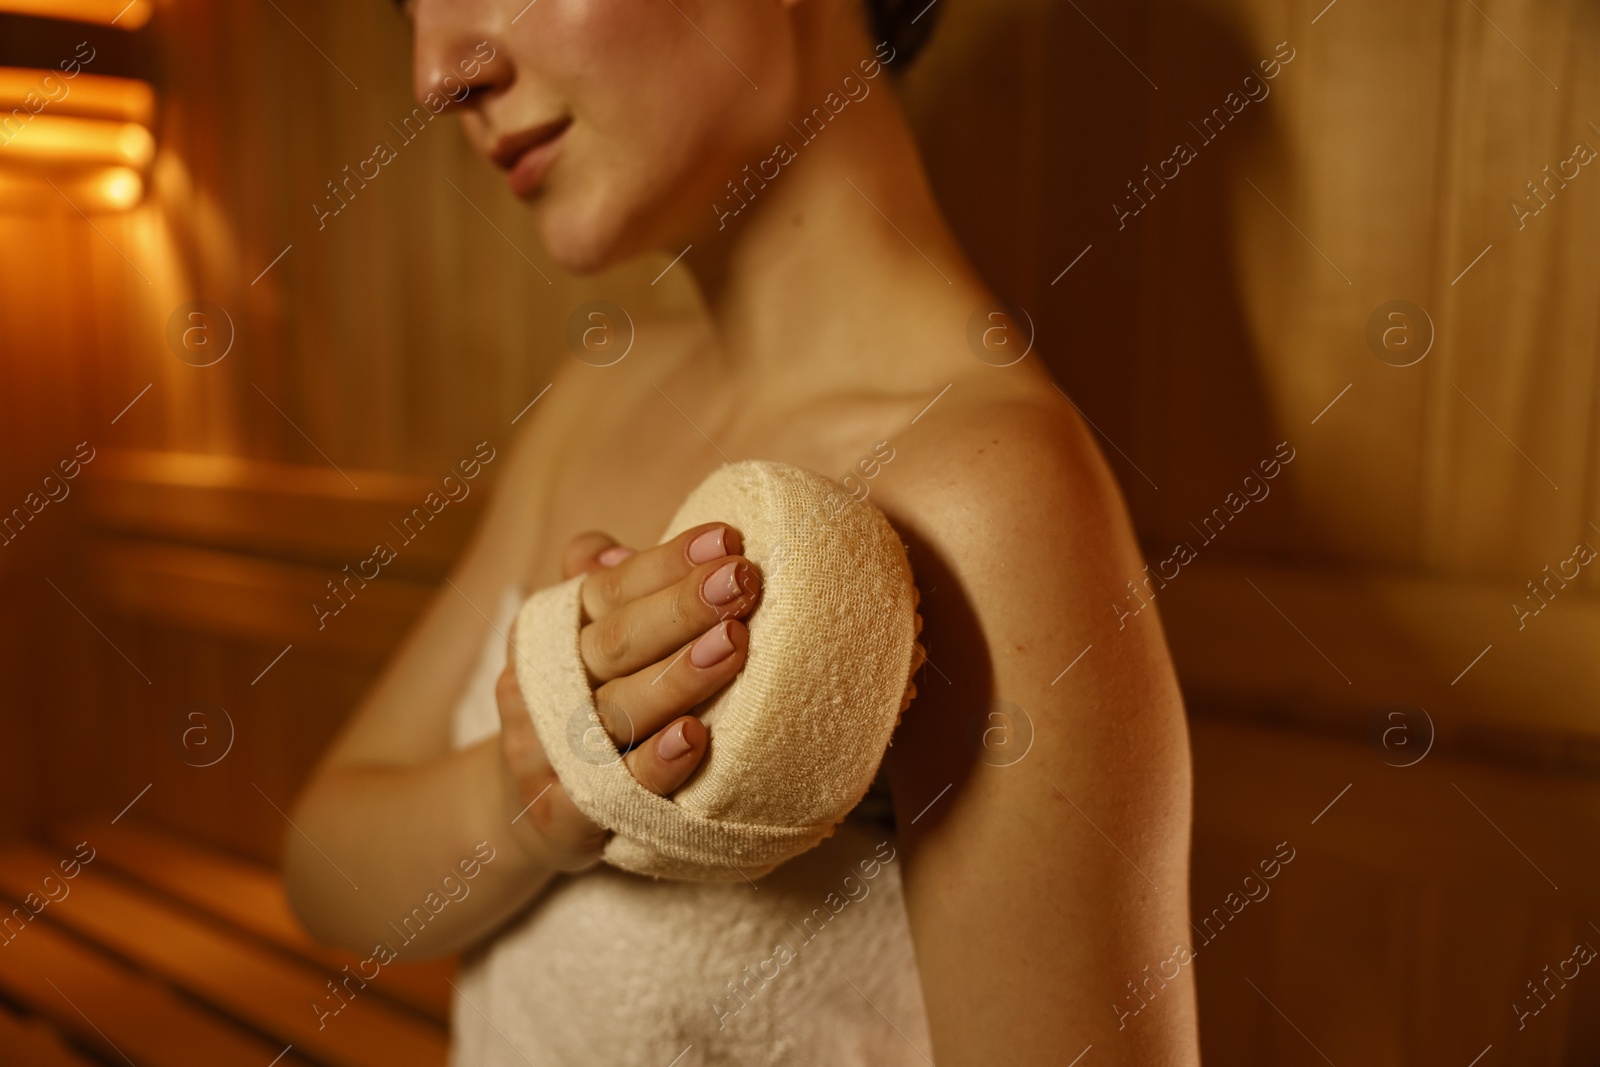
column 1383, row 262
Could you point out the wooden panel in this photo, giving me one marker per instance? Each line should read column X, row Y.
column 110, row 1007
column 32, row 1044
column 102, row 735
column 1521, row 327
column 1229, row 313
column 204, row 571
column 1290, row 641
column 1418, row 904
column 248, row 597
column 289, row 511
column 21, row 788
column 1210, row 328
column 249, row 898
column 259, row 988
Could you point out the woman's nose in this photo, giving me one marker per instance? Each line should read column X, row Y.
column 459, row 55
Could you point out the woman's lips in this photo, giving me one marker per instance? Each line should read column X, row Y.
column 528, row 156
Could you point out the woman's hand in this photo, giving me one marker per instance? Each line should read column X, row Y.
column 661, row 634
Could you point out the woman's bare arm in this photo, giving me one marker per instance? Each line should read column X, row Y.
column 1037, row 889
column 390, row 810
column 393, row 817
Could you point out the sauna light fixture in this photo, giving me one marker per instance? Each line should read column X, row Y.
column 75, row 129
column 119, row 13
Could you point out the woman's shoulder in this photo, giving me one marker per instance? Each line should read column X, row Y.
column 983, row 470
column 1021, row 545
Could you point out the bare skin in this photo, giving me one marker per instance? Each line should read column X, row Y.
column 828, row 331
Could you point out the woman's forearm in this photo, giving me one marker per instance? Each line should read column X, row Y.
column 419, row 857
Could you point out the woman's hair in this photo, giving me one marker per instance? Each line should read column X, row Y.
column 905, row 24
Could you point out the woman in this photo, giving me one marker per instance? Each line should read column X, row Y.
column 1020, row 899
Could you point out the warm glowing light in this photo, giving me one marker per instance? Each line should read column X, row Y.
column 90, row 190
column 32, row 92
column 82, row 141
column 123, row 14
column 117, row 188
column 54, row 139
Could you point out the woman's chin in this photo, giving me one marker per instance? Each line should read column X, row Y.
column 577, row 238
column 586, row 239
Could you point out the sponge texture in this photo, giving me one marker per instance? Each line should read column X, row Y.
column 798, row 736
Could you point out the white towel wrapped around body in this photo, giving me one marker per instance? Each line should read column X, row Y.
column 797, row 738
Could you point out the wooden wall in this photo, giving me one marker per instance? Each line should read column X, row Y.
column 1228, row 315
column 1225, row 317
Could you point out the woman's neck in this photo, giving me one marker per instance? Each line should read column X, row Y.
column 840, row 268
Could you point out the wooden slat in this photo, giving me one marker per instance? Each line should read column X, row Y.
column 1520, row 330
column 251, row 898
column 1392, row 864
column 31, row 1043
column 288, row 510
column 253, row 985
column 1441, row 836
column 104, row 1003
column 246, row 596
column 1398, row 637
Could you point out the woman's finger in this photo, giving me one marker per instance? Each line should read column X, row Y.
column 518, row 739
column 547, row 821
column 666, row 760
column 609, row 588
column 639, row 704
column 591, row 551
column 653, row 627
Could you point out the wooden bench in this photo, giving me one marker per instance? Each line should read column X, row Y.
column 250, row 898
column 173, row 955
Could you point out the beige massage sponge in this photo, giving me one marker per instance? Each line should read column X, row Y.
column 798, row 736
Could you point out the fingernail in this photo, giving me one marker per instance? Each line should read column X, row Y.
column 712, row 648
column 672, row 744
column 614, row 555
column 723, row 584
column 708, row 546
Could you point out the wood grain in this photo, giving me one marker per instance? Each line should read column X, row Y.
column 249, row 897
column 1229, row 315
column 264, row 991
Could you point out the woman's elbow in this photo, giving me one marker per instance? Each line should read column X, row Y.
column 310, row 883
